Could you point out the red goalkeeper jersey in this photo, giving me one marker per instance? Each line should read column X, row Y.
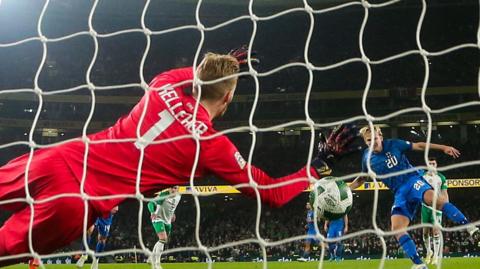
column 112, row 166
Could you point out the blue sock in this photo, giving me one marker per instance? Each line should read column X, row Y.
column 410, row 249
column 454, row 214
column 339, row 251
column 306, row 254
column 100, row 247
column 89, row 242
column 331, row 249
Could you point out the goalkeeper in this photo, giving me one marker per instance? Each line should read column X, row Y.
column 162, row 214
column 166, row 112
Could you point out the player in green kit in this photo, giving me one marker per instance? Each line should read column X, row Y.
column 439, row 183
column 162, row 214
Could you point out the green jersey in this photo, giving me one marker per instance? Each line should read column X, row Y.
column 164, row 206
column 438, row 181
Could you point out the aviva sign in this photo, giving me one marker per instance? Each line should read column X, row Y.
column 367, row 186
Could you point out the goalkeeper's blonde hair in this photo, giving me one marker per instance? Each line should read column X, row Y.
column 365, row 131
column 215, row 66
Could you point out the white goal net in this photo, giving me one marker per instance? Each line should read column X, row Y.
column 151, row 35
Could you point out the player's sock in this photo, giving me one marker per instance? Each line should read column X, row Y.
column 89, row 241
column 100, row 247
column 454, row 214
column 410, row 249
column 436, row 246
column 157, row 251
column 331, row 250
column 306, row 253
column 95, row 263
column 339, row 251
column 426, row 241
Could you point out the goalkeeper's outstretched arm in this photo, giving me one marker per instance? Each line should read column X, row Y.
column 219, row 156
column 222, row 158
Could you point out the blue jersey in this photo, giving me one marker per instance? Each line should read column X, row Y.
column 310, row 220
column 103, row 225
column 336, row 224
column 391, row 159
column 104, row 221
column 335, row 228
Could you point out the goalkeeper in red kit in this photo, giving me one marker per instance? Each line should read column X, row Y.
column 111, row 166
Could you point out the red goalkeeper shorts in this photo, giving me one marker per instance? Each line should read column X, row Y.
column 56, row 223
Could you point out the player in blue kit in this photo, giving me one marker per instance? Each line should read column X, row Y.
column 310, row 227
column 103, row 228
column 410, row 188
column 336, row 228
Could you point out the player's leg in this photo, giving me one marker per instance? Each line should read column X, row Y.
column 89, row 235
column 103, row 233
column 406, row 242
column 100, row 247
column 307, row 247
column 159, row 247
column 12, row 186
column 332, row 246
column 407, row 200
column 403, row 210
column 437, row 244
column 428, row 245
column 12, row 183
column 306, row 250
column 339, row 246
column 55, row 224
column 338, row 251
column 426, row 219
column 101, row 242
column 84, row 257
column 161, row 231
column 94, row 263
column 314, row 245
column 451, row 212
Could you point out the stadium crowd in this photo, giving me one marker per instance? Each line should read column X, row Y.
column 235, row 220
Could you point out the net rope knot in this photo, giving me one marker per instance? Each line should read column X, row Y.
column 93, row 33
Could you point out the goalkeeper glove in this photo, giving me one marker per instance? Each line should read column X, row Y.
column 241, row 54
column 338, row 144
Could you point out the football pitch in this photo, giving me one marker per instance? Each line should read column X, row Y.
column 451, row 263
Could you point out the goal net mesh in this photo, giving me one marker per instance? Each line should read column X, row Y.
column 97, row 36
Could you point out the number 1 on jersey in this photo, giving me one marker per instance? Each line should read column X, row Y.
column 166, row 119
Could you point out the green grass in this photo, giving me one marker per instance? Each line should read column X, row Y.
column 452, row 263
